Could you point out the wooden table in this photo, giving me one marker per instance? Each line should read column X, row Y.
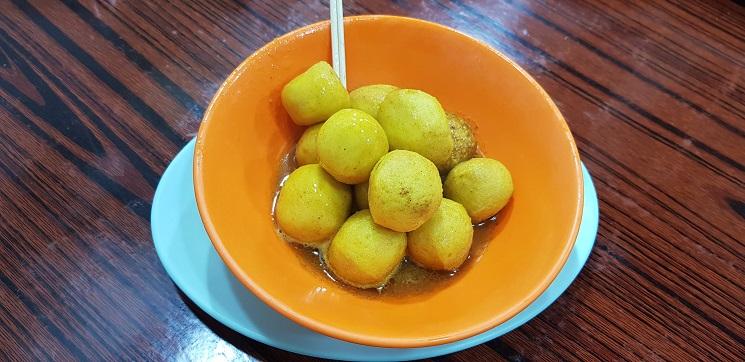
column 96, row 97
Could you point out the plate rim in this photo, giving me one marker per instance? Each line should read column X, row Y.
column 591, row 213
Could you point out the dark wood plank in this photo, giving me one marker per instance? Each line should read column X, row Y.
column 97, row 96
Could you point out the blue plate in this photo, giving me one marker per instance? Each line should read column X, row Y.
column 187, row 255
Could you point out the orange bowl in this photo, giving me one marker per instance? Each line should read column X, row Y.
column 246, row 132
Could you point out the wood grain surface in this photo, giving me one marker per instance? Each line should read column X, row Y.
column 96, row 97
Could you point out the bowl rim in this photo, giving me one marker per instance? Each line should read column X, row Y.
column 336, row 332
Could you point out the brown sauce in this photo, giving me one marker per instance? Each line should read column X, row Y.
column 410, row 279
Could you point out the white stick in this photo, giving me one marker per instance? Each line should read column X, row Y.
column 338, row 50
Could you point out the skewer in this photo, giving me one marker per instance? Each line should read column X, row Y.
column 338, row 50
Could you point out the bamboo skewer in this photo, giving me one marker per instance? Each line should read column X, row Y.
column 338, row 50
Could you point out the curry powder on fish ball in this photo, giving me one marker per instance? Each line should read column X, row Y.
column 464, row 142
column 444, row 241
column 368, row 98
column 349, row 145
column 415, row 121
column 306, row 151
column 482, row 185
column 364, row 254
column 314, row 95
column 312, row 205
column 405, row 190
